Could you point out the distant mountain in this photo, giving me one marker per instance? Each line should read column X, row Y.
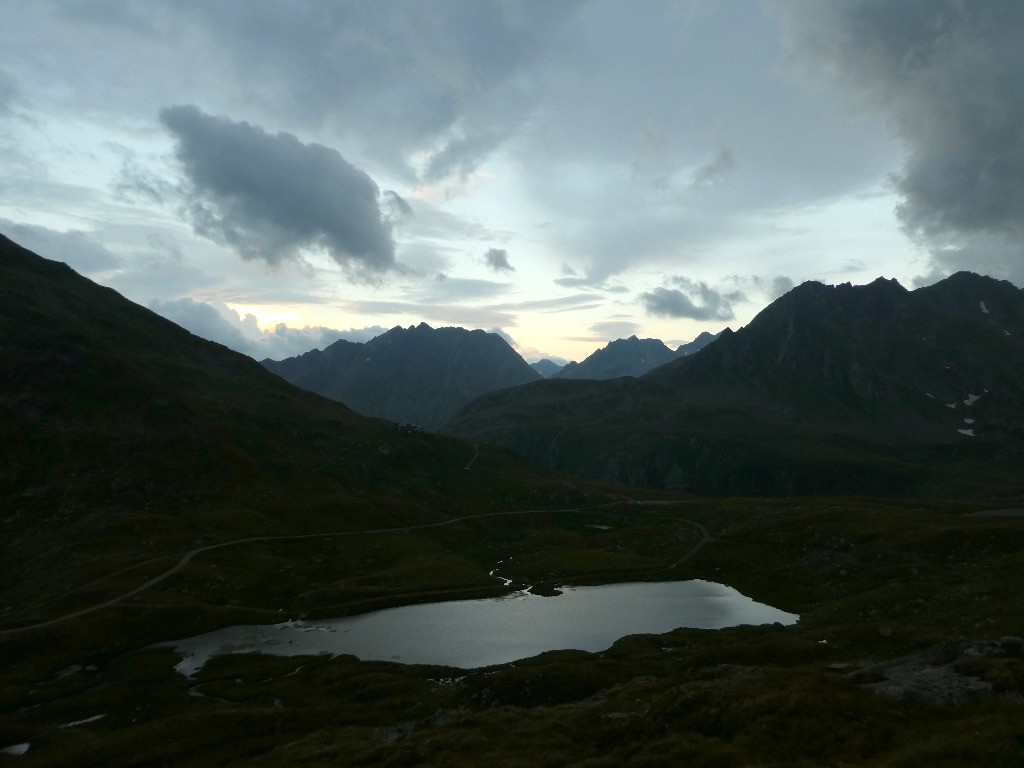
column 703, row 339
column 418, row 374
column 546, row 368
column 629, row 357
column 831, row 389
column 622, row 357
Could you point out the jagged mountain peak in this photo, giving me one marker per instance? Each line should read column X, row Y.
column 629, row 357
column 417, row 374
column 871, row 338
column 829, row 388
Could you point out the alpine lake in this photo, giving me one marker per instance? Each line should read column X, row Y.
column 481, row 633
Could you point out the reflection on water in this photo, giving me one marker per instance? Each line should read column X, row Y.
column 479, row 633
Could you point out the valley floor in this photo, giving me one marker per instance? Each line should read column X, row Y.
column 907, row 652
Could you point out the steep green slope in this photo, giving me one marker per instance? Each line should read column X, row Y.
column 124, row 439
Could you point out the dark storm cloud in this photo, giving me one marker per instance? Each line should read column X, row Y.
column 497, row 259
column 950, row 76
column 452, row 78
column 690, row 299
column 270, row 195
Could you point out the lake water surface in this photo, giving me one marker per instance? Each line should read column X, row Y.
column 480, row 633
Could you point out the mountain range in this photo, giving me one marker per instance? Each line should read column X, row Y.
column 423, row 376
column 831, row 389
column 629, row 357
column 155, row 486
column 418, row 375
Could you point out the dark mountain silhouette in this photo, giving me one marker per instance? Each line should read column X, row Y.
column 546, row 368
column 118, row 427
column 831, row 389
column 703, row 339
column 629, row 357
column 418, row 374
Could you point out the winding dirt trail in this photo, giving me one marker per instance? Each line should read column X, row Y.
column 192, row 553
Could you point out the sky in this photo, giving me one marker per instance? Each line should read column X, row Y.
column 278, row 174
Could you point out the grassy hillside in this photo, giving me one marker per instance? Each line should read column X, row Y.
column 908, row 651
column 124, row 439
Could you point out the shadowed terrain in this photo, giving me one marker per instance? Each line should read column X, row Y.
column 419, row 374
column 173, row 486
column 831, row 389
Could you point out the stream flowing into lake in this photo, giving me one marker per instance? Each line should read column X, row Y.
column 481, row 633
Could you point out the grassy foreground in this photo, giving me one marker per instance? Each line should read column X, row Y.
column 873, row 581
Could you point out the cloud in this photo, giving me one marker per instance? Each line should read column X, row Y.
column 269, row 195
column 614, row 329
column 8, row 92
column 596, row 282
column 443, row 288
column 608, row 330
column 219, row 323
column 715, row 172
column 949, row 77
column 691, row 299
column 206, row 321
column 447, row 82
column 508, row 339
column 574, row 282
column 461, row 156
column 497, row 259
column 534, row 355
column 434, row 314
column 556, row 304
column 77, row 249
column 397, row 207
column 780, row 285
column 530, row 354
column 135, row 182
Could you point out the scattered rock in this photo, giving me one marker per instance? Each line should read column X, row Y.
column 931, row 676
